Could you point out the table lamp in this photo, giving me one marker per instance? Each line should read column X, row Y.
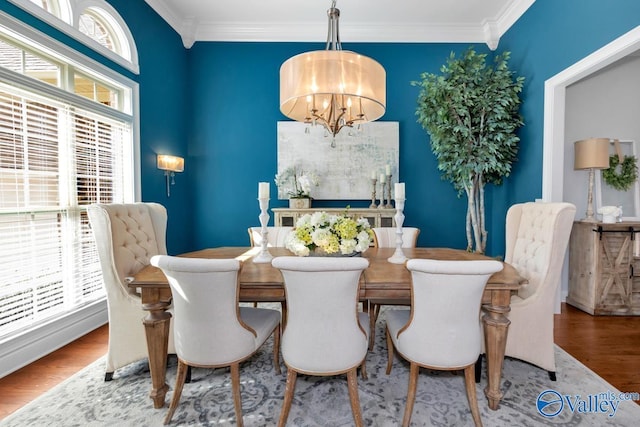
column 591, row 154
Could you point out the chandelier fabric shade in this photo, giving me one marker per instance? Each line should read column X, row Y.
column 335, row 87
column 332, row 87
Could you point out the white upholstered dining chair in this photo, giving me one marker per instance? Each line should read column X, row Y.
column 276, row 236
column 441, row 330
column 325, row 334
column 385, row 237
column 211, row 329
column 127, row 236
column 537, row 235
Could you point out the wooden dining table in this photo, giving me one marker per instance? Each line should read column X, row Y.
column 382, row 280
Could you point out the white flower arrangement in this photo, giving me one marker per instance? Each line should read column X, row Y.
column 610, row 210
column 610, row 214
column 296, row 184
column 332, row 234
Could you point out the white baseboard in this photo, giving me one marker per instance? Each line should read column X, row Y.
column 31, row 345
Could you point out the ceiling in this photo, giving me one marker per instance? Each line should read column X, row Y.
column 464, row 21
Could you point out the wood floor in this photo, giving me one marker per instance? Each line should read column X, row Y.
column 607, row 345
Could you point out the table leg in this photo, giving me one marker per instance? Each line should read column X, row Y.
column 496, row 327
column 156, row 326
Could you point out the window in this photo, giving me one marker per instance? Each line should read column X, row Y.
column 93, row 22
column 66, row 141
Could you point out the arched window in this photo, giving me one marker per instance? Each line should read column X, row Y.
column 93, row 22
column 58, row 8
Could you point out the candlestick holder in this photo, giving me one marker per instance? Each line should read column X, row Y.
column 373, row 193
column 398, row 256
column 382, row 187
column 388, row 205
column 264, row 256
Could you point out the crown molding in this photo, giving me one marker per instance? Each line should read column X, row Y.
column 193, row 29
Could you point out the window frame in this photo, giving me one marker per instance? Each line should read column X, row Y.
column 78, row 7
column 36, row 340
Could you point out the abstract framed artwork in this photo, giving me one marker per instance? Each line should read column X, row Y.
column 345, row 166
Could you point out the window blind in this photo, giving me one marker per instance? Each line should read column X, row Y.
column 55, row 158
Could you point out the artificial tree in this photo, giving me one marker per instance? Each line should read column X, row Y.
column 471, row 112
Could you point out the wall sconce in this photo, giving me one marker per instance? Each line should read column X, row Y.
column 170, row 165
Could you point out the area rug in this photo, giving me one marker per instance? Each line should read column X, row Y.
column 578, row 398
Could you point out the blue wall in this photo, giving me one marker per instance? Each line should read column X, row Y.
column 550, row 37
column 216, row 104
column 233, row 145
column 163, row 97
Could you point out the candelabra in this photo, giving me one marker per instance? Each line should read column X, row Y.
column 373, row 193
column 264, row 256
column 388, row 204
column 398, row 256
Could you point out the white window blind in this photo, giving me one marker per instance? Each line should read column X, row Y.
column 55, row 158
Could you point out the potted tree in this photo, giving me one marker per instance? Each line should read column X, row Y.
column 471, row 112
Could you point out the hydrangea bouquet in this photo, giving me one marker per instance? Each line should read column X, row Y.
column 330, row 234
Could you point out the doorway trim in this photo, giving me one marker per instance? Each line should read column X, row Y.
column 554, row 108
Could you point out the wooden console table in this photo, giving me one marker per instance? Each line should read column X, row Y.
column 287, row 217
column 603, row 279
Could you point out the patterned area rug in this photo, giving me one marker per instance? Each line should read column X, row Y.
column 86, row 400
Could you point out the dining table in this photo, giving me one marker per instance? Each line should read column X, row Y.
column 382, row 280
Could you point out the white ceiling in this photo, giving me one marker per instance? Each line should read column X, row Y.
column 464, row 21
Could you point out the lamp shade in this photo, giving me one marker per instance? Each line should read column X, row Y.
column 170, row 163
column 327, row 83
column 591, row 153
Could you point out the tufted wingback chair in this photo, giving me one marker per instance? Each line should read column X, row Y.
column 324, row 334
column 276, row 236
column 441, row 331
column 537, row 235
column 127, row 236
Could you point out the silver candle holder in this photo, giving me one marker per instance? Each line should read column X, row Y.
column 373, row 193
column 388, row 205
column 383, row 185
column 264, row 256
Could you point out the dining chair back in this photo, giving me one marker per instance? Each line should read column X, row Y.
column 276, row 236
column 324, row 334
column 126, row 237
column 537, row 235
column 441, row 330
column 385, row 237
column 211, row 329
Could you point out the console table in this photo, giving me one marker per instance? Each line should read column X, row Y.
column 377, row 217
column 604, row 278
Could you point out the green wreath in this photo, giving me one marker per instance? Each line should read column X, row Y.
column 624, row 179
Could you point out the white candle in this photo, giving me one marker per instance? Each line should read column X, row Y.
column 383, row 178
column 263, row 190
column 399, row 190
column 373, row 174
column 388, row 169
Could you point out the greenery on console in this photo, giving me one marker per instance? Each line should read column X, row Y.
column 471, row 112
column 627, row 176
